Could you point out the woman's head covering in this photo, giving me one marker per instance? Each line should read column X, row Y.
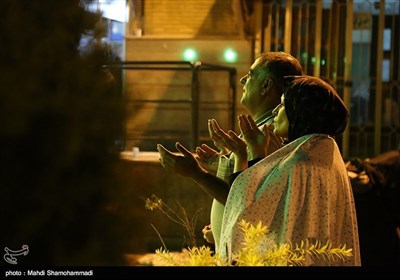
column 313, row 106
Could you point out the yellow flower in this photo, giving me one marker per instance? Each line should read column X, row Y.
column 153, row 203
column 259, row 247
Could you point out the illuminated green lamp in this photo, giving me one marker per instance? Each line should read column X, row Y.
column 230, row 55
column 313, row 60
column 190, row 54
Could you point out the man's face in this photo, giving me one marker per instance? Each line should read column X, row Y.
column 252, row 86
column 281, row 122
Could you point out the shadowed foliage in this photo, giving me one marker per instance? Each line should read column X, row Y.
column 60, row 114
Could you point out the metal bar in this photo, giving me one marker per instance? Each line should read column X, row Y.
column 329, row 44
column 148, row 65
column 179, row 101
column 317, row 43
column 276, row 24
column 288, row 26
column 334, row 55
column 152, row 68
column 268, row 29
column 152, row 62
column 297, row 51
column 194, row 67
column 233, row 82
column 195, row 107
column 215, row 67
column 378, row 93
column 347, row 74
column 258, row 11
column 306, row 37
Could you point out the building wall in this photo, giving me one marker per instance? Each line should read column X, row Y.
column 192, row 18
column 158, row 102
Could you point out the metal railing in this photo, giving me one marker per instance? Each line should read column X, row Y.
column 195, row 67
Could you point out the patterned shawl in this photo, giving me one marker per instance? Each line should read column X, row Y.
column 300, row 192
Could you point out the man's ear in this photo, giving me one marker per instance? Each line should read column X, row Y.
column 268, row 82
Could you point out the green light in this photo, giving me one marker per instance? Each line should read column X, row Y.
column 304, row 57
column 230, row 55
column 189, row 55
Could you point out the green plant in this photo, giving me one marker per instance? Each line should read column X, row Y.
column 259, row 249
column 181, row 218
column 259, row 246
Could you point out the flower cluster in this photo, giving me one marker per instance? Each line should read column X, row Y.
column 259, row 247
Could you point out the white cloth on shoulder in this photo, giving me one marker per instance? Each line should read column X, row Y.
column 300, row 192
column 225, row 169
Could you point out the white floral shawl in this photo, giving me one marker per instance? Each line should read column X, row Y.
column 300, row 192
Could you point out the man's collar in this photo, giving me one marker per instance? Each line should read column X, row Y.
column 264, row 117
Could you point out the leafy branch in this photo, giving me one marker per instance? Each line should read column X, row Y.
column 181, row 218
column 259, row 249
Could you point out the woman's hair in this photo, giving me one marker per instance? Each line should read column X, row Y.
column 313, row 106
